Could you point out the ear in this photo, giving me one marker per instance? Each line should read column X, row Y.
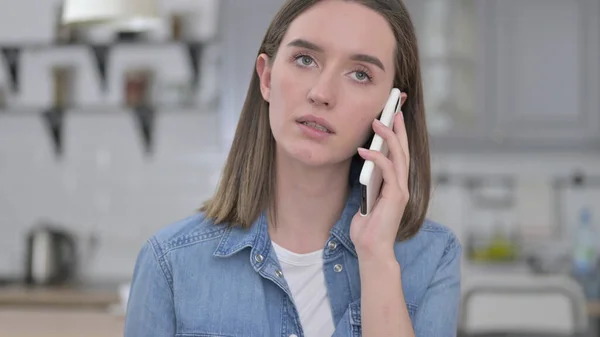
column 403, row 97
column 263, row 70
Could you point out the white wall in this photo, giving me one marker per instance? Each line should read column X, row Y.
column 104, row 183
column 241, row 35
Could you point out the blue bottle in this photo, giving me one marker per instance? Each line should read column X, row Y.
column 585, row 254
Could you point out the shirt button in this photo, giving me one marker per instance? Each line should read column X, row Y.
column 338, row 268
column 278, row 273
column 332, row 245
column 258, row 258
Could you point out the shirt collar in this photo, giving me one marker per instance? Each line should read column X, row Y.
column 257, row 237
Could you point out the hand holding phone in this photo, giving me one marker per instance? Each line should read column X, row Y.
column 371, row 177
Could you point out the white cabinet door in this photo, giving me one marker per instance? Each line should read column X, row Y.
column 544, row 84
column 451, row 48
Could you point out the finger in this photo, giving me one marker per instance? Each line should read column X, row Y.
column 395, row 148
column 386, row 166
column 401, row 134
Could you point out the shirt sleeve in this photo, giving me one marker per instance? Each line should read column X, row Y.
column 437, row 315
column 150, row 309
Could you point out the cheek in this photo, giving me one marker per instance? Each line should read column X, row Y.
column 366, row 131
column 286, row 88
column 278, row 100
column 286, row 98
column 364, row 117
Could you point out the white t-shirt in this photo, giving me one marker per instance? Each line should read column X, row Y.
column 306, row 280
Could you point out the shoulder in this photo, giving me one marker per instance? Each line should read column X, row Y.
column 189, row 231
column 431, row 257
column 434, row 248
column 430, row 264
column 432, row 239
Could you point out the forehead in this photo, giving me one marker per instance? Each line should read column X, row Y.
column 346, row 27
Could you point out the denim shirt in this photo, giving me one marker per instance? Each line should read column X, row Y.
column 196, row 278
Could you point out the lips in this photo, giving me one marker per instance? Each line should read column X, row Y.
column 316, row 123
column 316, row 126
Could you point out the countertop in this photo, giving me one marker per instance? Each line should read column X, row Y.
column 59, row 323
column 65, row 311
column 95, row 296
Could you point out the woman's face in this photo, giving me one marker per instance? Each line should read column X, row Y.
column 331, row 77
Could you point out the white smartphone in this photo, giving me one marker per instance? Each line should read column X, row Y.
column 371, row 177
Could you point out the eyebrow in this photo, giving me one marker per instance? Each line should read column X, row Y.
column 356, row 57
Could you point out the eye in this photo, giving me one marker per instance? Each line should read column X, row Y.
column 361, row 76
column 304, row 60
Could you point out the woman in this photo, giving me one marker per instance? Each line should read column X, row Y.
column 280, row 250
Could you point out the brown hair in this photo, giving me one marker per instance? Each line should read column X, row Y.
column 247, row 182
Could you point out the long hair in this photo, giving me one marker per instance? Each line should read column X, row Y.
column 247, row 182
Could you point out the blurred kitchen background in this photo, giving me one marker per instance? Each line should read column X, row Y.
column 110, row 132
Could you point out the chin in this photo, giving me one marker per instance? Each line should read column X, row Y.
column 313, row 155
column 310, row 155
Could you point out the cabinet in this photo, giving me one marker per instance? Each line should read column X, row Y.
column 543, row 84
column 511, row 74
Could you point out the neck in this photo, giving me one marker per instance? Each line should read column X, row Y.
column 309, row 202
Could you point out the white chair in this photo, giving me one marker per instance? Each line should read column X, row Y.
column 523, row 305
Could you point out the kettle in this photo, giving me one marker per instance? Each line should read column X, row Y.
column 51, row 256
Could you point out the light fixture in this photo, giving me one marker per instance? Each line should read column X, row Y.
column 134, row 15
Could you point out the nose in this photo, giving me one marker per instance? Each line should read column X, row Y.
column 323, row 92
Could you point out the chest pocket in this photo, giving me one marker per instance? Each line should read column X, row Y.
column 355, row 318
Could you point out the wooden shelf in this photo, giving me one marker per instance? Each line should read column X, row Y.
column 54, row 117
column 137, row 43
column 101, row 53
column 103, row 109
